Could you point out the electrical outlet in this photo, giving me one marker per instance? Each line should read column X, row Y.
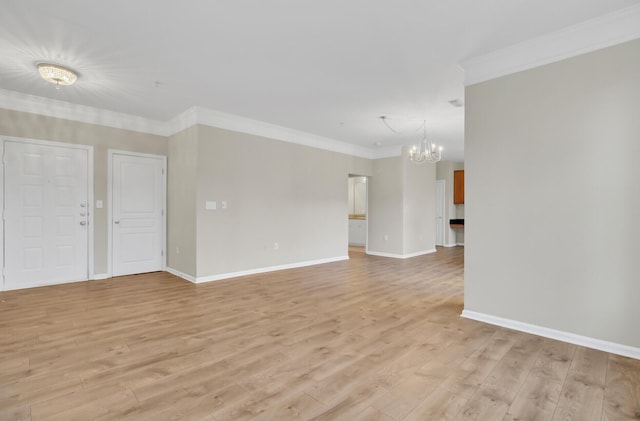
column 276, row 246
column 386, row 237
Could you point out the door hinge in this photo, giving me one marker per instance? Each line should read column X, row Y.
column 163, row 171
column 161, row 252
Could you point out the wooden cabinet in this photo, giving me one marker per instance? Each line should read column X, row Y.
column 458, row 187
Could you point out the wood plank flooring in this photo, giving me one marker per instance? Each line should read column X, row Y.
column 371, row 338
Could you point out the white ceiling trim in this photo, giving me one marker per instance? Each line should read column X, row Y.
column 604, row 31
column 16, row 101
column 207, row 117
column 195, row 115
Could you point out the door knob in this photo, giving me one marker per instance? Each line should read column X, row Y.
column 83, row 223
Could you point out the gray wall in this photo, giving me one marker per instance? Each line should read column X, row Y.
column 102, row 138
column 553, row 195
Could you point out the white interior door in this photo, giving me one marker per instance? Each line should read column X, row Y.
column 46, row 214
column 440, row 212
column 137, row 211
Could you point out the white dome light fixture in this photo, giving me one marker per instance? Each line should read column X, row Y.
column 56, row 74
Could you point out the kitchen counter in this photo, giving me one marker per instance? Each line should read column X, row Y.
column 456, row 223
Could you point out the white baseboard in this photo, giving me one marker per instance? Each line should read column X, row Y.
column 100, row 276
column 460, row 244
column 572, row 338
column 401, row 256
column 449, row 245
column 229, row 275
column 180, row 274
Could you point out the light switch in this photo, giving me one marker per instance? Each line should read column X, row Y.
column 223, row 204
column 98, row 204
column 210, row 205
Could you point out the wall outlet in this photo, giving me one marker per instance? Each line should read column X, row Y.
column 276, row 246
column 223, row 204
column 386, row 237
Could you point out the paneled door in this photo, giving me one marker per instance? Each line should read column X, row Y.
column 46, row 214
column 137, row 212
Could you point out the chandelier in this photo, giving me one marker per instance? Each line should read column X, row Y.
column 56, row 74
column 426, row 150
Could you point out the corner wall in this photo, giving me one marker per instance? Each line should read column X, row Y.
column 277, row 204
column 401, row 208
column 553, row 196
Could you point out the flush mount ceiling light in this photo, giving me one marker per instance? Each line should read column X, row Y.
column 58, row 75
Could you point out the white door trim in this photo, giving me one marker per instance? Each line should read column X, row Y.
column 163, row 158
column 90, row 208
column 442, row 211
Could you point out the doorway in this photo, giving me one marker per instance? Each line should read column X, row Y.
column 47, row 190
column 137, row 197
column 358, row 220
column 440, row 223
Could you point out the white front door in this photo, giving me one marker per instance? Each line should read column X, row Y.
column 137, row 211
column 440, row 212
column 46, row 214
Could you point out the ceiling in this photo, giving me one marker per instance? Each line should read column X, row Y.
column 329, row 68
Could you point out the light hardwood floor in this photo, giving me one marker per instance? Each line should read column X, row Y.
column 371, row 338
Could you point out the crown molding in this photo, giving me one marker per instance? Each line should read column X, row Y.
column 195, row 115
column 212, row 118
column 594, row 34
column 17, row 101
column 387, row 152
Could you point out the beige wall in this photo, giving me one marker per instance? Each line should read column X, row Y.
column 553, row 196
column 276, row 192
column 182, row 165
column 401, row 207
column 102, row 138
column 419, row 209
column 385, row 206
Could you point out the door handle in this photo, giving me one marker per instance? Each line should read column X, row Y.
column 116, row 222
column 83, row 223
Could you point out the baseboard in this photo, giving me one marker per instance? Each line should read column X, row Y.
column 203, row 279
column 401, row 256
column 460, row 244
column 100, row 276
column 611, row 347
column 449, row 245
column 180, row 274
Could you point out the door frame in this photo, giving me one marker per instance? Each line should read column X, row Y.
column 163, row 158
column 90, row 207
column 444, row 211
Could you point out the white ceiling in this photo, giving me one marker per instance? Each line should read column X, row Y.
column 329, row 68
